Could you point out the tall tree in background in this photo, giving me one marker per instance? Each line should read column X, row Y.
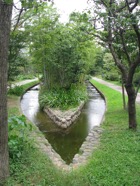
column 16, row 54
column 42, row 39
column 5, row 21
column 117, row 26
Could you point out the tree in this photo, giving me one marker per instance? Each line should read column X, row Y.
column 5, row 20
column 81, row 28
column 117, row 26
column 59, row 50
column 20, row 37
column 16, row 58
column 42, row 40
column 5, row 23
column 68, row 61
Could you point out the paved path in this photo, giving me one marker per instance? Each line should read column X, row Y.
column 23, row 82
column 115, row 87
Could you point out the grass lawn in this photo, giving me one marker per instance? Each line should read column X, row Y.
column 115, row 163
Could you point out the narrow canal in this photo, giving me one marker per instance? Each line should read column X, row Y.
column 65, row 142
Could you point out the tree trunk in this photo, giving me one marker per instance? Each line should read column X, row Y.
column 131, row 106
column 5, row 20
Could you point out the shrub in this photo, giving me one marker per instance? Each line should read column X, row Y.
column 17, row 90
column 18, row 135
column 23, row 77
column 62, row 98
column 112, row 76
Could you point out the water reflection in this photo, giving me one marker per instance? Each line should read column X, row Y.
column 65, row 142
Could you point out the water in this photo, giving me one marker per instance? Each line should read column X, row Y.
column 65, row 142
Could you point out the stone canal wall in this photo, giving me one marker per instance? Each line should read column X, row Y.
column 88, row 147
column 64, row 118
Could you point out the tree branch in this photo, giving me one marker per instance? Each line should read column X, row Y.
column 124, row 47
column 98, row 36
column 118, row 62
column 135, row 26
column 134, row 6
column 19, row 16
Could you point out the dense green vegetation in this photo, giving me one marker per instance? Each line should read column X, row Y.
column 18, row 136
column 63, row 54
column 63, row 99
column 115, row 162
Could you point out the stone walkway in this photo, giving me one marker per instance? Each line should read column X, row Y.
column 115, row 87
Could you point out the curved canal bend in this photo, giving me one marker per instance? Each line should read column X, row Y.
column 65, row 142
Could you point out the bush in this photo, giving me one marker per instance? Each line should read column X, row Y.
column 23, row 77
column 112, row 76
column 17, row 90
column 18, row 133
column 61, row 98
column 88, row 77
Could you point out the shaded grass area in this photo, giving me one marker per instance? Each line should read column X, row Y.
column 115, row 162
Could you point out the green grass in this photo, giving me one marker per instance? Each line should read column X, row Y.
column 115, row 163
column 26, row 86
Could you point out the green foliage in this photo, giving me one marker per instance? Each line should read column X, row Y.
column 96, row 58
column 43, row 37
column 21, row 77
column 8, row 1
column 17, row 90
column 17, row 59
column 68, row 63
column 112, row 76
column 61, row 52
column 116, row 25
column 61, row 98
column 110, row 71
column 18, row 135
